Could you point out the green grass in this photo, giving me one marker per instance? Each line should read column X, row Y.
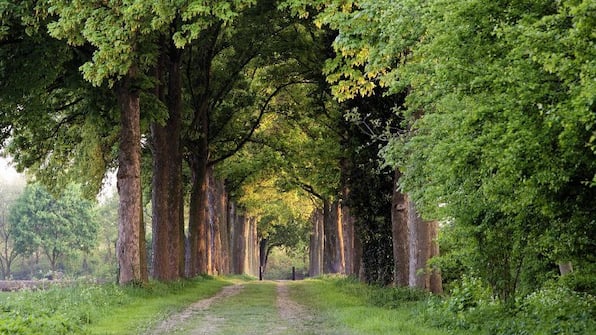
column 99, row 309
column 148, row 306
column 348, row 303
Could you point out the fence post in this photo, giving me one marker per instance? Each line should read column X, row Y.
column 293, row 273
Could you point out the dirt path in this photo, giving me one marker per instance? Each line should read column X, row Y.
column 297, row 317
column 176, row 321
column 255, row 308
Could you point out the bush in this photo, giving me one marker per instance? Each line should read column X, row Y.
column 581, row 280
column 468, row 294
column 552, row 310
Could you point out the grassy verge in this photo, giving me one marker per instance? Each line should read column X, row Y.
column 99, row 309
column 147, row 306
column 355, row 307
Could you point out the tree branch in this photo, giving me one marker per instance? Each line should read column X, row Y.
column 255, row 125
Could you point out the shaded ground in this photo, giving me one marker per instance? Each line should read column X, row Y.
column 252, row 308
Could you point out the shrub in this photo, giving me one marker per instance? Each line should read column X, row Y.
column 57, row 310
column 552, row 310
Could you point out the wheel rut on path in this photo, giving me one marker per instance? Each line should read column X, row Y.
column 175, row 321
column 284, row 316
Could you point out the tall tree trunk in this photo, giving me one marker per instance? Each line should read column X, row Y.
column 418, row 246
column 240, row 245
column 349, row 246
column 224, row 228
column 214, row 236
column 234, row 230
column 263, row 247
column 253, row 247
column 244, row 265
column 331, row 236
column 197, row 227
column 340, row 254
column 423, row 246
column 168, row 244
column 349, row 242
column 316, row 244
column 181, row 230
column 130, row 212
column 399, row 228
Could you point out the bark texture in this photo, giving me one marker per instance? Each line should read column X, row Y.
column 422, row 247
column 399, row 228
column 334, row 247
column 131, row 240
column 197, row 232
column 315, row 267
column 331, row 261
column 168, row 224
column 225, row 241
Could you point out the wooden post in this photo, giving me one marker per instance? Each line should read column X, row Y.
column 293, row 273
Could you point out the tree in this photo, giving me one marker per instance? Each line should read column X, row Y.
column 504, row 145
column 86, row 28
column 56, row 226
column 282, row 216
column 125, row 49
column 9, row 193
column 364, row 70
column 226, row 108
column 122, row 39
column 107, row 217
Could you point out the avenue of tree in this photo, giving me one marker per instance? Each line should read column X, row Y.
column 366, row 132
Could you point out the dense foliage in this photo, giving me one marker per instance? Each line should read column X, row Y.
column 500, row 102
column 469, row 310
column 505, row 139
column 371, row 183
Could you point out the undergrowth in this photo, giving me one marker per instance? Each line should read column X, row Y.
column 81, row 307
column 470, row 308
column 552, row 310
column 363, row 309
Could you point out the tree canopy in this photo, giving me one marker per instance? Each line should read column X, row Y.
column 500, row 111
